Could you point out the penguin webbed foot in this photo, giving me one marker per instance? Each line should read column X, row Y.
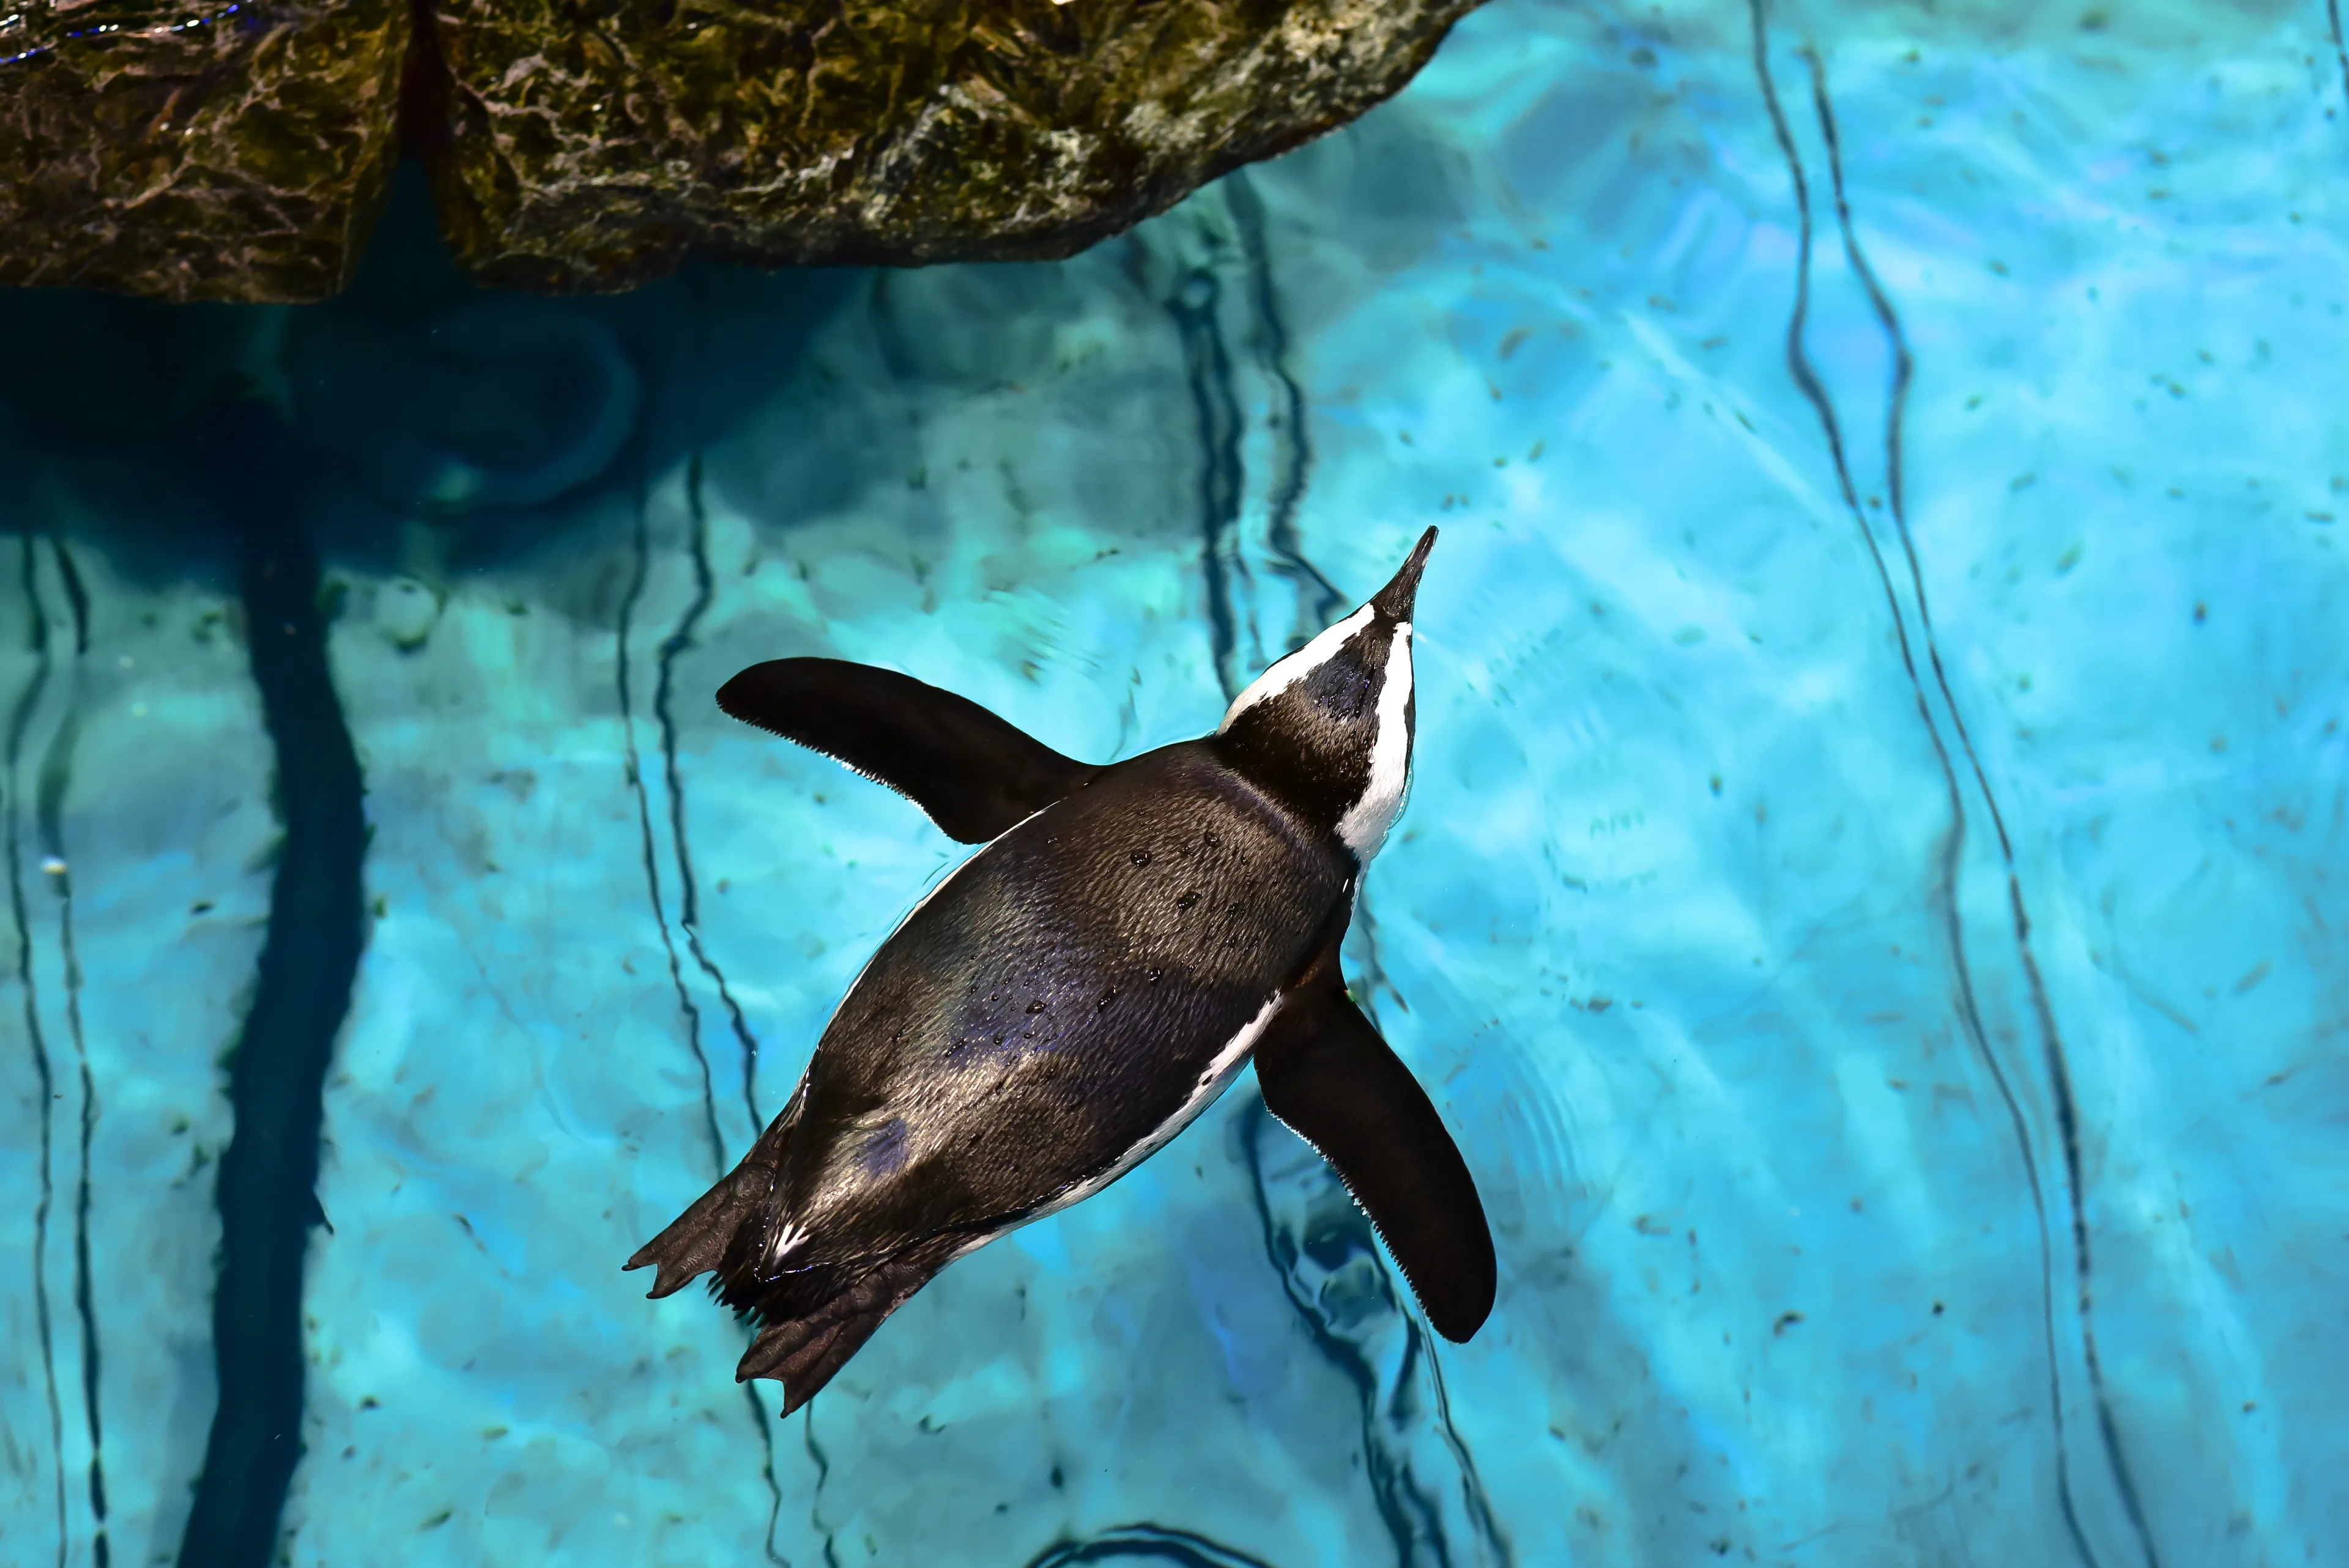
column 804, row 1350
column 974, row 774
column 1326, row 1073
column 704, row 1236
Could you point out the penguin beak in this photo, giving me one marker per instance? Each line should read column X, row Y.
column 1394, row 601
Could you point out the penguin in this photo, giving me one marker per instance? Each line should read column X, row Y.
column 1079, row 991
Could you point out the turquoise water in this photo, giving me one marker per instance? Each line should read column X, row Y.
column 1871, row 906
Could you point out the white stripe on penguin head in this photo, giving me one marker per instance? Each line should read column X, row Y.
column 1364, row 826
column 1289, row 671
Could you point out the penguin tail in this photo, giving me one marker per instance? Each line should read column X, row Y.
column 805, row 1349
column 809, row 1318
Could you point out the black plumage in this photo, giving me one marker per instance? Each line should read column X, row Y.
column 1070, row 996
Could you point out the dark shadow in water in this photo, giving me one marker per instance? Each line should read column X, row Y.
column 418, row 398
column 277, row 1071
column 252, row 449
column 1145, row 1543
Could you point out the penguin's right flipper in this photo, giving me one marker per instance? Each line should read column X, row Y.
column 1325, row 1072
column 975, row 774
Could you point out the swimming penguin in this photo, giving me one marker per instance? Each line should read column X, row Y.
column 1076, row 993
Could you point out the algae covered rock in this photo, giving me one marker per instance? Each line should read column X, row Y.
column 589, row 144
column 241, row 149
column 208, row 151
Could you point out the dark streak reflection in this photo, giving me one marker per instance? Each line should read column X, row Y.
column 2059, row 1072
column 1207, row 363
column 1319, row 600
column 1422, row 1479
column 1422, row 1475
column 56, row 779
column 815, row 1496
column 1145, row 1543
column 760, row 1418
column 640, row 570
column 1953, row 842
column 689, row 898
column 2340, row 48
column 77, row 595
column 20, row 719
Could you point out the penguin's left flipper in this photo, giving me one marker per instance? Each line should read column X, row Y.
column 975, row 774
column 1325, row 1072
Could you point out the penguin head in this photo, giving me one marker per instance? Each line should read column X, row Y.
column 1327, row 731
